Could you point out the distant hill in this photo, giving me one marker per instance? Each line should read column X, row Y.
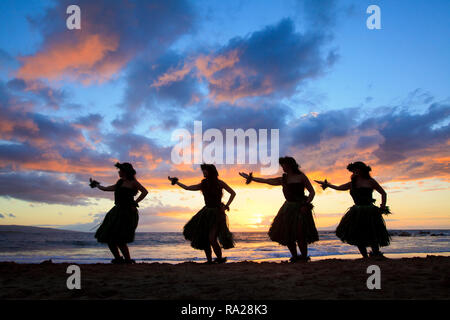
column 29, row 229
column 329, row 228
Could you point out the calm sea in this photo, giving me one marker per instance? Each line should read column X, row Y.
column 36, row 245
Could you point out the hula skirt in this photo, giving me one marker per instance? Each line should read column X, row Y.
column 119, row 225
column 293, row 224
column 363, row 225
column 198, row 228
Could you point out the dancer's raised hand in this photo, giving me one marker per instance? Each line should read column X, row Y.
column 243, row 174
column 323, row 184
column 173, row 180
column 93, row 183
column 248, row 177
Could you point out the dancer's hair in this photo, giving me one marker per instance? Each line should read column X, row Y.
column 291, row 163
column 361, row 166
column 365, row 170
column 128, row 169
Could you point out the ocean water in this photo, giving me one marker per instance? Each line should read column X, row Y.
column 34, row 245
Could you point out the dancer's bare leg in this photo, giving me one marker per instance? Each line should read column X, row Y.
column 208, row 254
column 214, row 244
column 363, row 251
column 302, row 244
column 114, row 250
column 126, row 253
column 293, row 249
column 375, row 249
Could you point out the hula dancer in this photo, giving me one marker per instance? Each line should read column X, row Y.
column 211, row 222
column 119, row 225
column 294, row 223
column 363, row 224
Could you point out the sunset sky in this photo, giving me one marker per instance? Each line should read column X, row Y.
column 74, row 102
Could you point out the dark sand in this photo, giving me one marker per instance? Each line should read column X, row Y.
column 406, row 278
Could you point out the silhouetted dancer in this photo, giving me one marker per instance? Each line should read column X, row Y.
column 363, row 224
column 119, row 225
column 294, row 223
column 211, row 222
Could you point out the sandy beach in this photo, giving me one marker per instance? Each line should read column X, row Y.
column 404, row 278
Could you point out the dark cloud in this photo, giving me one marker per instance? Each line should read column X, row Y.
column 10, row 215
column 144, row 71
column 90, row 121
column 414, row 165
column 405, row 134
column 44, row 188
column 15, row 153
column 59, row 132
column 367, row 141
column 16, row 84
column 314, row 128
column 38, row 92
column 294, row 58
column 160, row 105
column 130, row 147
column 126, row 121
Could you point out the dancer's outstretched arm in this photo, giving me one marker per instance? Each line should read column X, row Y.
column 108, row 188
column 272, row 181
column 100, row 187
column 230, row 191
column 325, row 184
column 195, row 187
column 96, row 184
column 381, row 191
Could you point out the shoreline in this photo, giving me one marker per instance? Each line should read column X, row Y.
column 330, row 279
column 354, row 256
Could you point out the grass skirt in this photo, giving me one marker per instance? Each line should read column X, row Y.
column 119, row 225
column 290, row 218
column 363, row 225
column 198, row 228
